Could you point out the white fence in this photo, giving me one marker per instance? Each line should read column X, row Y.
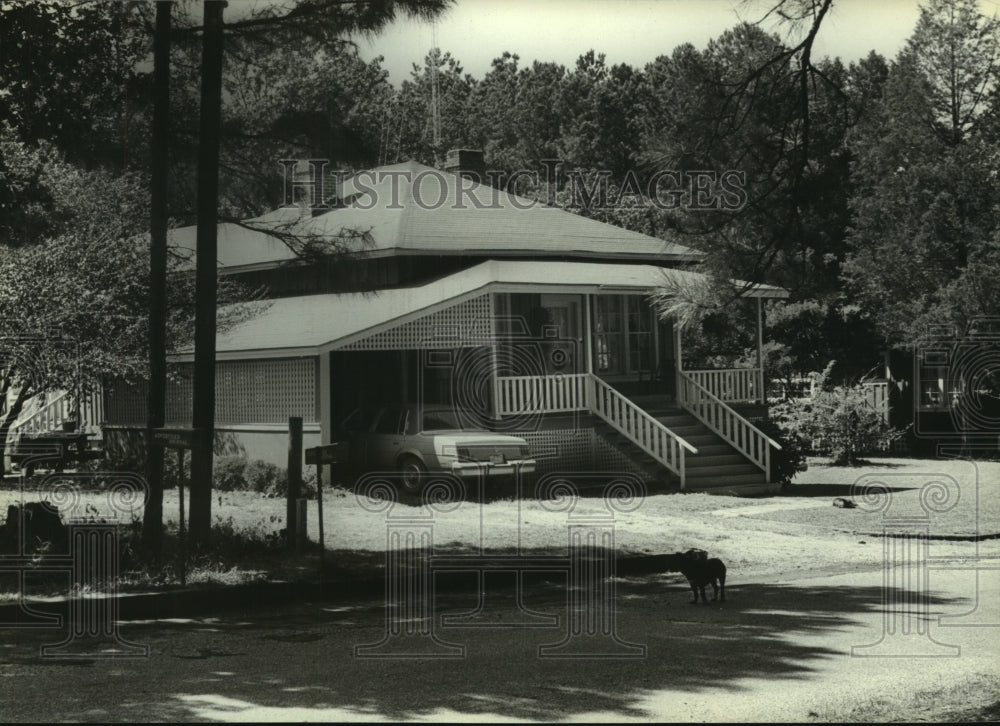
column 734, row 385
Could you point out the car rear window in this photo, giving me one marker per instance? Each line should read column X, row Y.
column 440, row 420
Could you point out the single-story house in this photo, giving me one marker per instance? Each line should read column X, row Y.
column 527, row 318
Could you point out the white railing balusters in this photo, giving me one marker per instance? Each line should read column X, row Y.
column 715, row 413
column 586, row 392
column 639, row 427
column 730, row 384
column 89, row 413
column 542, row 394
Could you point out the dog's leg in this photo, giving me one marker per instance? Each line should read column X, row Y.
column 722, row 587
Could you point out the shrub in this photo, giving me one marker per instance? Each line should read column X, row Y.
column 264, row 477
column 229, row 473
column 791, row 458
column 236, row 473
column 837, row 421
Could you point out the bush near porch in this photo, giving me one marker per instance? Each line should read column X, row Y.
column 836, row 421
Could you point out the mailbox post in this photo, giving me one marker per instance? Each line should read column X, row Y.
column 181, row 439
column 335, row 453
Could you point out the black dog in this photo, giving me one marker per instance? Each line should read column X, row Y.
column 700, row 570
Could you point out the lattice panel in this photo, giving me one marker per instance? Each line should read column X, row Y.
column 583, row 450
column 560, row 449
column 609, row 458
column 246, row 392
column 465, row 325
column 124, row 403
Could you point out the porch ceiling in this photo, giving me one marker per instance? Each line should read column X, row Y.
column 309, row 324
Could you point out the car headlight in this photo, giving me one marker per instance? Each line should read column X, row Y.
column 463, row 453
column 525, row 451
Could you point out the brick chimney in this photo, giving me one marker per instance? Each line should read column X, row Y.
column 468, row 163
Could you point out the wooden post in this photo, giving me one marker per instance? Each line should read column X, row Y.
column 494, row 363
column 319, row 506
column 182, row 545
column 294, row 478
column 206, row 267
column 152, row 522
column 301, row 523
column 678, row 363
column 325, row 407
column 760, row 353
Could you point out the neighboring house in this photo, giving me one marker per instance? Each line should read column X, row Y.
column 528, row 319
column 946, row 391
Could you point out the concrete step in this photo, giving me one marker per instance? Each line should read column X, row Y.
column 721, row 449
column 702, row 460
column 723, row 470
column 700, row 440
column 675, row 419
column 721, row 482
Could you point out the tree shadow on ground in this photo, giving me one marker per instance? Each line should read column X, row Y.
column 828, row 490
column 762, row 631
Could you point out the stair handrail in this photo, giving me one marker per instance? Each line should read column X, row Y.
column 639, row 427
column 22, row 425
column 732, row 416
column 89, row 411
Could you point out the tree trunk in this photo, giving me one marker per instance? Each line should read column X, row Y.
column 8, row 421
column 203, row 416
column 152, row 521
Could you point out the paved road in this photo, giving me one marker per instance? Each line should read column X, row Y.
column 776, row 650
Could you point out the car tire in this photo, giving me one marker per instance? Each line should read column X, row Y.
column 412, row 475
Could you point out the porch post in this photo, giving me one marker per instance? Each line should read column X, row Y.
column 494, row 364
column 760, row 355
column 679, row 362
column 325, row 410
column 588, row 334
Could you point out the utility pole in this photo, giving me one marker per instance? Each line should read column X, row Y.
column 152, row 521
column 203, row 415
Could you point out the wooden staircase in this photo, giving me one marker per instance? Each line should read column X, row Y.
column 717, row 468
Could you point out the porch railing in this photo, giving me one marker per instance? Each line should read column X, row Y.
column 643, row 430
column 551, row 394
column 735, row 385
column 585, row 391
column 88, row 411
column 717, row 415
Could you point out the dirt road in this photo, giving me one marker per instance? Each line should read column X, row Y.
column 778, row 649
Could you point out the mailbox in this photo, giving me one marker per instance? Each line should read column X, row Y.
column 335, row 453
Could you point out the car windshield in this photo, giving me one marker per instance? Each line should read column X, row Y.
column 440, row 421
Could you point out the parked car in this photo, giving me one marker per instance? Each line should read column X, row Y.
column 417, row 440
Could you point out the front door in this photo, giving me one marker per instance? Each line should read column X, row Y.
column 562, row 344
column 624, row 341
